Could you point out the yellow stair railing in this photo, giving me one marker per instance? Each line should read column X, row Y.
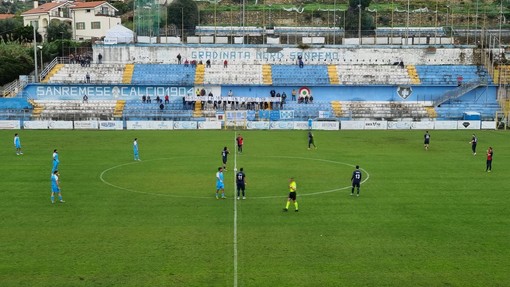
column 119, row 108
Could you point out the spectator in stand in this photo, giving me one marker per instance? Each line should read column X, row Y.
column 99, row 58
column 87, row 78
column 186, row 63
column 301, row 64
column 284, row 97
column 278, row 95
column 306, row 99
column 157, row 100
column 208, row 63
column 202, row 92
column 149, row 99
column 161, row 106
column 144, row 99
column 179, row 58
column 230, row 93
column 71, row 58
column 272, row 93
column 197, row 92
column 225, row 64
column 167, row 99
column 85, row 98
column 193, row 63
column 311, row 99
column 293, row 95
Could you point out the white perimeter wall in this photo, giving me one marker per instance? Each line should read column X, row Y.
column 123, row 53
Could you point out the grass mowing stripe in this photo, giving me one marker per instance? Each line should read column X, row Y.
column 235, row 212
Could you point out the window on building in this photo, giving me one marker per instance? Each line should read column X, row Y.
column 80, row 25
column 95, row 25
column 104, row 10
column 87, row 11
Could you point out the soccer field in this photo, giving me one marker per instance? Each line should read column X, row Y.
column 424, row 218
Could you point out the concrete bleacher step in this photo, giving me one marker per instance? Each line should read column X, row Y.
column 431, row 112
column 53, row 71
column 119, row 109
column 127, row 76
column 413, row 74
column 333, row 75
column 199, row 74
column 336, row 106
column 267, row 75
column 197, row 112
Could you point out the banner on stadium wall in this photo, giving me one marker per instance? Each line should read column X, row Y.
column 140, row 125
column 352, row 125
column 185, row 125
column 86, row 125
column 163, row 125
column 489, row 125
column 10, row 125
column 402, row 125
column 257, row 125
column 60, row 125
column 330, row 126
column 286, row 115
column 376, row 125
column 210, row 125
column 111, row 125
column 469, row 125
column 445, row 125
column 301, row 125
column 35, row 125
column 428, row 125
column 281, row 125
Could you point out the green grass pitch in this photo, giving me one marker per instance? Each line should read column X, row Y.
column 424, row 218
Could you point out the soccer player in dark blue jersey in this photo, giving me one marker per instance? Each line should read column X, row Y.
column 241, row 183
column 224, row 155
column 474, row 142
column 356, row 180
column 426, row 140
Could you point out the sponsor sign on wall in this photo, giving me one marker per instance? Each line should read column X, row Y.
column 489, row 125
column 445, row 125
column 209, row 125
column 257, row 125
column 10, row 125
column 281, row 125
column 331, row 126
column 86, row 125
column 35, row 125
column 185, row 125
column 111, row 125
column 469, row 125
column 376, row 125
column 60, row 125
column 352, row 125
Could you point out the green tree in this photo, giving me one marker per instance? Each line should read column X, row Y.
column 16, row 59
column 183, row 13
column 352, row 18
column 58, row 30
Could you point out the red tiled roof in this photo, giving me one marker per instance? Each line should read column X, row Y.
column 44, row 8
column 82, row 5
column 6, row 16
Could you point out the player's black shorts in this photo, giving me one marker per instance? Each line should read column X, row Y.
column 355, row 184
column 224, row 160
column 292, row 195
column 426, row 142
column 241, row 186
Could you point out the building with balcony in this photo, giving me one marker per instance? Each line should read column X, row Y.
column 87, row 19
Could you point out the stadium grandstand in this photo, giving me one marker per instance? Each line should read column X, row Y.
column 209, row 82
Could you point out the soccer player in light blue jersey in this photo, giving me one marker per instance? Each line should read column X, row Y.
column 135, row 149
column 55, row 161
column 17, row 144
column 219, row 183
column 55, row 187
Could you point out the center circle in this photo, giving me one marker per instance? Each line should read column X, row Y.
column 194, row 176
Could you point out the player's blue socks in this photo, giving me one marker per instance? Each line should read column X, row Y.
column 60, row 197
column 52, row 199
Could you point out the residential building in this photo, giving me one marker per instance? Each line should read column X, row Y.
column 87, row 19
